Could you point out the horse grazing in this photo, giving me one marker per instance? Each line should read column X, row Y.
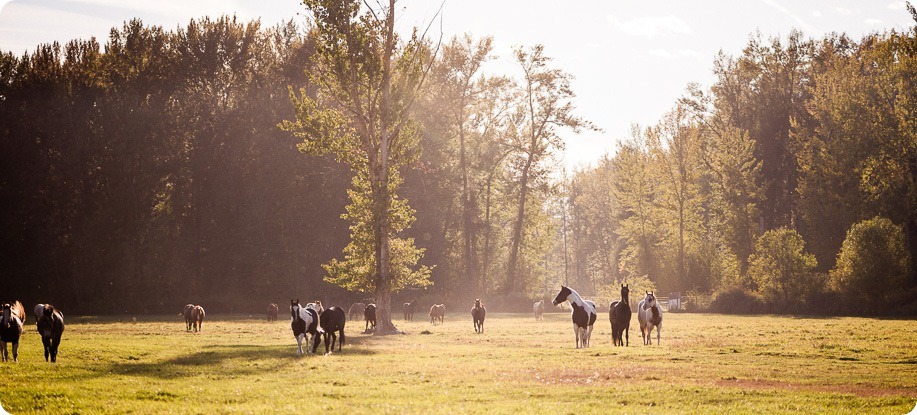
column 332, row 321
column 477, row 314
column 409, row 310
column 583, row 314
column 51, row 328
column 272, row 310
column 304, row 322
column 11, row 328
column 356, row 310
column 649, row 314
column 369, row 314
column 188, row 314
column 538, row 308
column 438, row 311
column 197, row 317
column 619, row 314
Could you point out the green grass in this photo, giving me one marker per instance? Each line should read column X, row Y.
column 707, row 364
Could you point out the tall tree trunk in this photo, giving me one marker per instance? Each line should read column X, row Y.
column 384, row 323
column 512, row 279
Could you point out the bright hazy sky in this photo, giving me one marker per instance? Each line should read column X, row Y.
column 632, row 59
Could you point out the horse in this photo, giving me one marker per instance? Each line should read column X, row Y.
column 51, row 328
column 304, row 322
column 438, row 311
column 272, row 310
column 38, row 312
column 477, row 314
column 583, row 314
column 356, row 310
column 331, row 321
column 197, row 317
column 187, row 313
column 11, row 328
column 619, row 314
column 369, row 314
column 649, row 313
column 538, row 308
column 409, row 310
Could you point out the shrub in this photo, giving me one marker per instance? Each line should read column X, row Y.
column 781, row 269
column 873, row 263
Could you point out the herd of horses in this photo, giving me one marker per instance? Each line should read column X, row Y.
column 48, row 320
column 312, row 323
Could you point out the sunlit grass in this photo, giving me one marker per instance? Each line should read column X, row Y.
column 706, row 364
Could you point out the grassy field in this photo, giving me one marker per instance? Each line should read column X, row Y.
column 707, row 364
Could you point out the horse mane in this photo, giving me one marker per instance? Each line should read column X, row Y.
column 581, row 302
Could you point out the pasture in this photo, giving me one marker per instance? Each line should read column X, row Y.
column 707, row 364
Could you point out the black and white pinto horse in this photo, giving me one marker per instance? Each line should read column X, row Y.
column 51, row 328
column 583, row 314
column 11, row 328
column 478, row 312
column 619, row 314
column 649, row 313
column 369, row 315
column 332, row 321
column 304, row 322
column 409, row 310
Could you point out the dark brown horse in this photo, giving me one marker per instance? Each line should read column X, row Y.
column 51, row 328
column 478, row 312
column 409, row 310
column 187, row 313
column 619, row 314
column 11, row 328
column 272, row 310
column 332, row 321
column 369, row 314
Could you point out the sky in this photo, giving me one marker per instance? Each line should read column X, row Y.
column 631, row 59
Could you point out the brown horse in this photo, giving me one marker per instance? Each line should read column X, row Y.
column 619, row 314
column 11, row 328
column 369, row 315
column 409, row 310
column 272, row 310
column 197, row 315
column 438, row 311
column 477, row 314
column 187, row 313
column 51, row 328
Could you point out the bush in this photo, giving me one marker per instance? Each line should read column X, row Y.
column 873, row 264
column 737, row 300
column 781, row 269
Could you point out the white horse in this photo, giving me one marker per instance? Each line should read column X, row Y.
column 649, row 313
column 538, row 308
column 304, row 322
column 583, row 314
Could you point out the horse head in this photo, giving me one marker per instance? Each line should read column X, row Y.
column 625, row 293
column 294, row 309
column 5, row 320
column 649, row 301
column 477, row 303
column 562, row 295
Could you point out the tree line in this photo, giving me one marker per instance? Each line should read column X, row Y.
column 168, row 167
column 789, row 185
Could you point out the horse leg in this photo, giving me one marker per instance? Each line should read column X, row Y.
column 5, row 355
column 342, row 339
column 627, row 335
column 588, row 334
column 16, row 351
column 658, row 327
column 299, row 343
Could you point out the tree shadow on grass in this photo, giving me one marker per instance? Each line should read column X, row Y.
column 236, row 360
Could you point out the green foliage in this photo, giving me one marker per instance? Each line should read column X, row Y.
column 781, row 269
column 873, row 264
